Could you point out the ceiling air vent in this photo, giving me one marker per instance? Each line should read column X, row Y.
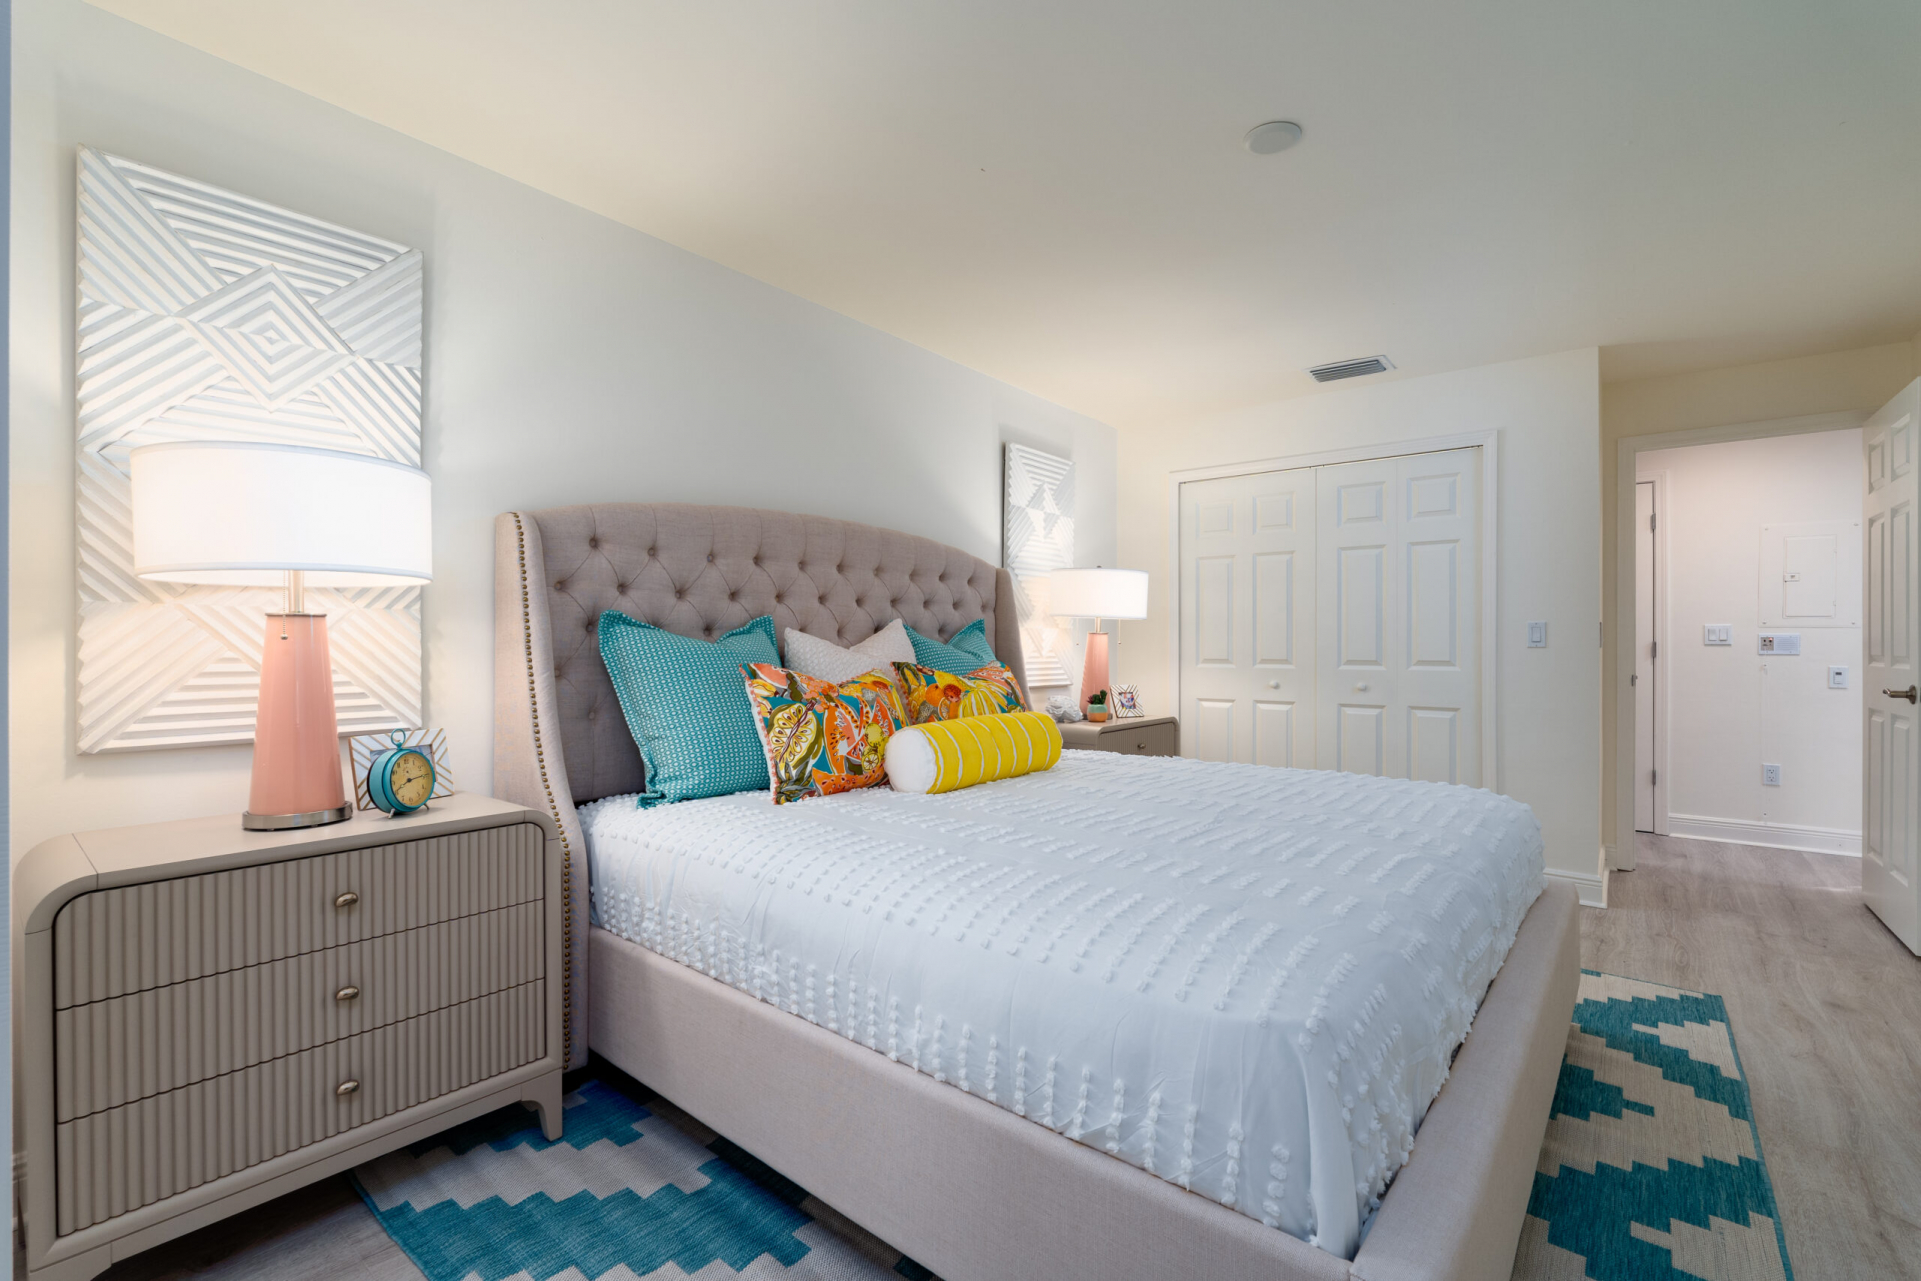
column 1351, row 369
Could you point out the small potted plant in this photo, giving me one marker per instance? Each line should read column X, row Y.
column 1097, row 707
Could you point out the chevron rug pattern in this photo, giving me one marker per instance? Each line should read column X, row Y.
column 1651, row 1171
column 205, row 315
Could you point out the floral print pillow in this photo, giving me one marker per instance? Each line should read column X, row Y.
column 821, row 738
column 930, row 694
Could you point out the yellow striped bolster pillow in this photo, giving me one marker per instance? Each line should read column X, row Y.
column 943, row 755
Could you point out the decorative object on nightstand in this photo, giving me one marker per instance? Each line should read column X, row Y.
column 1062, row 709
column 1148, row 736
column 1097, row 594
column 1127, row 702
column 1097, row 706
column 249, row 515
column 364, row 749
column 410, row 980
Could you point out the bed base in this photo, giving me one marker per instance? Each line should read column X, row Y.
column 977, row 1193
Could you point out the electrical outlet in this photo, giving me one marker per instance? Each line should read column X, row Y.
column 1770, row 776
column 1837, row 678
column 1717, row 633
column 1778, row 642
column 1537, row 635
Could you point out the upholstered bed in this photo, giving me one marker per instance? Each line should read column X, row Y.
column 963, row 1185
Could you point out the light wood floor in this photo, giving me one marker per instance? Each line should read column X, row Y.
column 1826, row 1009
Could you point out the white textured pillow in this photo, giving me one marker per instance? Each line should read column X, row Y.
column 824, row 660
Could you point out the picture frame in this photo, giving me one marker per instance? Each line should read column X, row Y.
column 1127, row 702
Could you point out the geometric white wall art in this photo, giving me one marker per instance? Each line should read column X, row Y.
column 204, row 315
column 1039, row 539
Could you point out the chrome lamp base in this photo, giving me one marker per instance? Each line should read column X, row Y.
column 287, row 822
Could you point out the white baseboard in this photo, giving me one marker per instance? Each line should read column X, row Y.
column 1781, row 836
column 1591, row 886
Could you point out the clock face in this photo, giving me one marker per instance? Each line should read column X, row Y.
column 410, row 779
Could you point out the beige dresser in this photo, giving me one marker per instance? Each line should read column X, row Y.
column 209, row 1017
column 1139, row 736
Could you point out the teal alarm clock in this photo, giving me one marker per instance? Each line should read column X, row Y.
column 401, row 779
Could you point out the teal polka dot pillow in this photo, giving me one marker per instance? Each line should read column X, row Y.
column 967, row 650
column 686, row 705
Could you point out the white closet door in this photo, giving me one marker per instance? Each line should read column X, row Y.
column 1247, row 637
column 1891, row 781
column 1399, row 616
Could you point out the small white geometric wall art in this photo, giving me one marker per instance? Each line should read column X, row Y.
column 206, row 315
column 1039, row 539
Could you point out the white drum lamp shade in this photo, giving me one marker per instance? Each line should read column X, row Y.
column 1097, row 594
column 242, row 515
column 238, row 514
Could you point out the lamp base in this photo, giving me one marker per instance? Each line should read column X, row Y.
column 287, row 822
column 1094, row 670
column 297, row 780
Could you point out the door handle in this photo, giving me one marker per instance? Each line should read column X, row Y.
column 1911, row 693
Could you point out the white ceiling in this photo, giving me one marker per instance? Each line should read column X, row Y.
column 1055, row 193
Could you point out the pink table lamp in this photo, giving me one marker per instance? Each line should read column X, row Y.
column 257, row 515
column 1097, row 594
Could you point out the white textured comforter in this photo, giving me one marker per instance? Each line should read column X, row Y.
column 1249, row 981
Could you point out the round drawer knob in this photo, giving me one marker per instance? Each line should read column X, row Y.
column 347, row 993
column 347, row 899
column 347, row 1087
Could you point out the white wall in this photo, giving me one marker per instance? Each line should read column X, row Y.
column 568, row 359
column 1547, row 411
column 1729, row 708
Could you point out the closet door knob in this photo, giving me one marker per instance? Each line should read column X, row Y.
column 1910, row 693
column 1273, row 684
column 346, row 1087
column 1361, row 688
column 347, row 899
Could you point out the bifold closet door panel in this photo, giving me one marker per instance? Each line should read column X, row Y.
column 1247, row 604
column 112, row 942
column 1398, row 617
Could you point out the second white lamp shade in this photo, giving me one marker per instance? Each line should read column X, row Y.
column 1097, row 593
column 242, row 514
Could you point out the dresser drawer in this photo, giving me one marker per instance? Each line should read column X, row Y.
column 113, row 942
column 111, row 1052
column 125, row 1157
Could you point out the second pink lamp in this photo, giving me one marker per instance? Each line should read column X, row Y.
column 258, row 515
column 1097, row 594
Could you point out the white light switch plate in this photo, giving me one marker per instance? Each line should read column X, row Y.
column 1537, row 635
column 1779, row 642
column 1837, row 678
column 1717, row 633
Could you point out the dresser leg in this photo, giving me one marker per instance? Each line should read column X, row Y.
column 543, row 1096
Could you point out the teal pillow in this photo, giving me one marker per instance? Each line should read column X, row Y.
column 966, row 652
column 687, row 707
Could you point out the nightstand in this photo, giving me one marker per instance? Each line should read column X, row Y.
column 1141, row 736
column 211, row 1017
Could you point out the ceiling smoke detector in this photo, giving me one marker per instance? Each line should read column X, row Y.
column 1275, row 135
column 1351, row 369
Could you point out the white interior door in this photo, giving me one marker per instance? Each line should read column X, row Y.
column 1649, row 815
column 1247, row 605
column 1398, row 617
column 1891, row 747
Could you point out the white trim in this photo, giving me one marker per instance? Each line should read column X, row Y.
column 1489, row 443
column 1591, row 886
column 1779, row 836
column 1610, row 859
column 1626, row 474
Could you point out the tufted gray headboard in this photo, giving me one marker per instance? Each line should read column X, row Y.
column 559, row 737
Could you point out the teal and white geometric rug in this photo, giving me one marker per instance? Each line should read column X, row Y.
column 1651, row 1169
column 634, row 1189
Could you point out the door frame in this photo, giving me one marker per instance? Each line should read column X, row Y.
column 1489, row 443
column 1621, row 854
column 1663, row 687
